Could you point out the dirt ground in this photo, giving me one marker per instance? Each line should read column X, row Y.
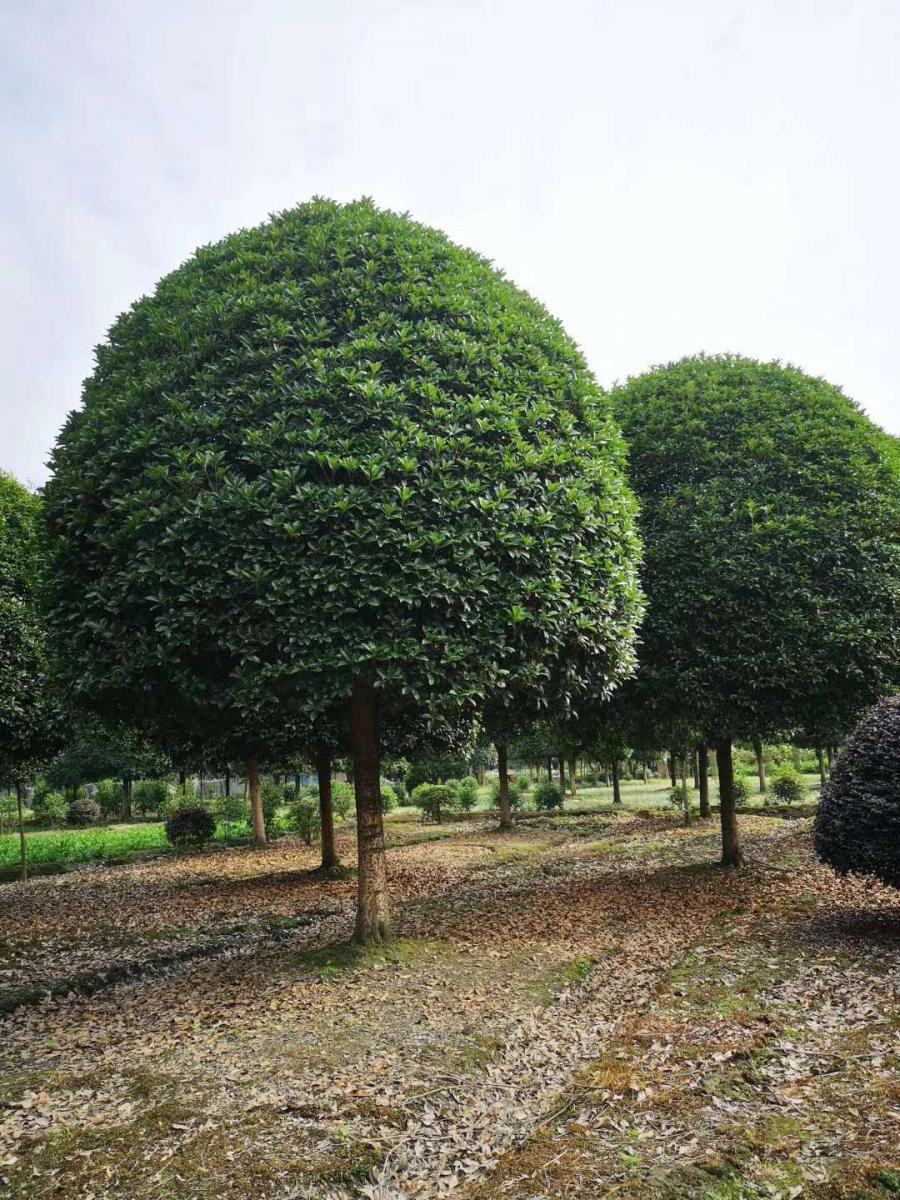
column 584, row 1007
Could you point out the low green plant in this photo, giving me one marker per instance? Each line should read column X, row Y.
column 271, row 795
column 466, row 792
column 434, row 800
column 306, row 814
column 517, row 789
column 680, row 798
column 388, row 797
column 149, row 795
column 788, row 786
column 548, row 795
column 741, row 791
column 51, row 808
column 343, row 800
column 191, row 826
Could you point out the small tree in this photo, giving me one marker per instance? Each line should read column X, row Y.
column 858, row 823
column 769, row 510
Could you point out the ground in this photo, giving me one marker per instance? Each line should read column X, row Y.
column 584, row 1007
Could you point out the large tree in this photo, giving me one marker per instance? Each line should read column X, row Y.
column 335, row 460
column 770, row 518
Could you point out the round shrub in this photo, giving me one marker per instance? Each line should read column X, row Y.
column 388, row 797
column 190, row 826
column 434, row 799
column 548, row 794
column 149, row 795
column 306, row 812
column 787, row 786
column 466, row 792
column 108, row 794
column 517, row 789
column 83, row 812
column 342, row 799
column 741, row 791
column 858, row 824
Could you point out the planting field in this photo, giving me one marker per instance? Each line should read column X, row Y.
column 583, row 1007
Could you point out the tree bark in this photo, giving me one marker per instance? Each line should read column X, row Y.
column 550, row 768
column 23, row 848
column 562, row 774
column 503, row 777
column 617, row 791
column 732, row 854
column 703, row 779
column 227, row 783
column 760, row 765
column 673, row 770
column 326, row 811
column 256, row 809
column 125, row 806
column 182, row 778
column 821, row 757
column 372, row 914
column 685, row 795
column 572, row 784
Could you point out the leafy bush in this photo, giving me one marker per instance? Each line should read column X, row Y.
column 343, row 800
column 83, row 812
column 190, row 826
column 149, row 795
column 858, row 823
column 517, row 789
column 788, row 786
column 400, row 789
column 741, row 791
column 547, row 794
column 466, row 792
column 271, row 795
column 51, row 808
column 306, row 810
column 435, row 770
column 680, row 798
column 434, row 799
column 108, row 794
column 388, row 797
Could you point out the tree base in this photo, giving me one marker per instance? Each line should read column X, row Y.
column 732, row 860
column 371, row 933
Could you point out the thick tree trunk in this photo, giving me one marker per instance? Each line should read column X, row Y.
column 23, row 848
column 326, row 811
column 550, row 768
column 503, row 777
column 760, row 765
column 256, row 809
column 227, row 783
column 125, row 806
column 732, row 854
column 821, row 757
column 617, row 791
column 372, row 914
column 703, row 779
column 572, row 784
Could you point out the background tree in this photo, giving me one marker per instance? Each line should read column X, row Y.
column 335, row 460
column 770, row 519
column 93, row 750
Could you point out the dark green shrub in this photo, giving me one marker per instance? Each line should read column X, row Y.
column 271, row 795
column 149, row 795
column 466, row 792
column 517, row 789
column 400, row 789
column 108, row 794
column 434, row 770
column 342, row 798
column 51, row 808
column 190, row 826
column 547, row 794
column 787, row 786
column 680, row 798
column 306, row 812
column 741, row 791
column 858, row 823
column 83, row 812
column 434, row 799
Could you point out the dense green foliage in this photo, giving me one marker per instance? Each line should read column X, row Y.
column 466, row 792
column 434, row 800
column 787, row 786
column 83, row 812
column 547, row 794
column 190, row 826
column 332, row 446
column 771, row 525
column 858, row 823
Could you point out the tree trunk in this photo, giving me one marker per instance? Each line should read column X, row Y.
column 372, row 914
column 617, row 791
column 821, row 757
column 227, row 783
column 685, row 794
column 503, row 777
column 256, row 809
column 182, row 778
column 550, row 768
column 562, row 774
column 673, row 770
column 644, row 770
column 330, row 862
column 732, row 854
column 572, row 784
column 23, row 848
column 760, row 765
column 662, row 769
column 703, row 779
column 831, row 753
column 125, row 806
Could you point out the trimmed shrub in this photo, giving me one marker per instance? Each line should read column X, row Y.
column 857, row 827
column 306, row 811
column 517, row 789
column 680, row 798
column 388, row 797
column 434, row 799
column 787, row 786
column 190, row 826
column 467, row 792
column 343, row 800
column 547, row 794
column 271, row 795
column 741, row 791
column 149, row 795
column 51, row 808
column 108, row 794
column 83, row 812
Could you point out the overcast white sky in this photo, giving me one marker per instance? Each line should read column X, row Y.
column 667, row 176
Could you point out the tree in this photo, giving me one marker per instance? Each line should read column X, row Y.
column 93, row 750
column 332, row 461
column 858, row 822
column 770, row 518
column 28, row 714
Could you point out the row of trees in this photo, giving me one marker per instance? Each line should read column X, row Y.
column 338, row 486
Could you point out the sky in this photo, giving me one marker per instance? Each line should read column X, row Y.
column 666, row 176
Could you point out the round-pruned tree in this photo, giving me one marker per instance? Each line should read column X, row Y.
column 771, row 525
column 858, row 823
column 335, row 460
